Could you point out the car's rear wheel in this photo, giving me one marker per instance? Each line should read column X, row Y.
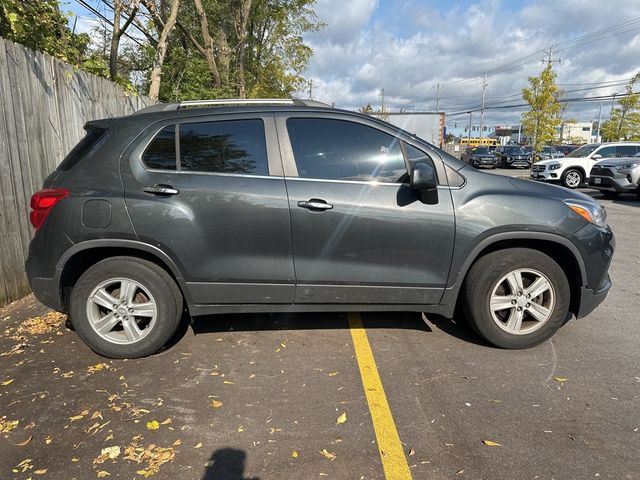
column 516, row 298
column 125, row 307
column 572, row 178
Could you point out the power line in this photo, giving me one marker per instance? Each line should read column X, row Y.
column 106, row 20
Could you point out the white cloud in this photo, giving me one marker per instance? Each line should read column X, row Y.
column 408, row 47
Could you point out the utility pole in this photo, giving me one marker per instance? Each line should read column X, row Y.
column 484, row 88
column 382, row 101
column 549, row 60
column 470, row 113
column 437, row 97
column 598, row 136
column 311, row 89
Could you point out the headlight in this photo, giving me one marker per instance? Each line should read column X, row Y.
column 555, row 166
column 627, row 166
column 591, row 212
column 509, row 159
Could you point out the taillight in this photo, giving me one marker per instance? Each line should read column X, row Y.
column 42, row 202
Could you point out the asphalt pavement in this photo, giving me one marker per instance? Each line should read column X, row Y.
column 281, row 396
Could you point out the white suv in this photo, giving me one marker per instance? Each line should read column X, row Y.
column 573, row 170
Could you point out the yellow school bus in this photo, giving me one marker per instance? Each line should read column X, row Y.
column 478, row 142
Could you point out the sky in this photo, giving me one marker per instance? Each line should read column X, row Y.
column 408, row 47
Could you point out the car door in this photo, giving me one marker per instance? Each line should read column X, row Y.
column 361, row 235
column 607, row 151
column 210, row 193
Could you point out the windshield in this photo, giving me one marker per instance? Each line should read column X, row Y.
column 481, row 151
column 583, row 151
column 514, row 150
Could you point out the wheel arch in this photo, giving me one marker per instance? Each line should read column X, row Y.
column 559, row 248
column 83, row 255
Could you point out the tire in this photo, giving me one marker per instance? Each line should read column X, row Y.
column 131, row 330
column 572, row 178
column 610, row 194
column 487, row 279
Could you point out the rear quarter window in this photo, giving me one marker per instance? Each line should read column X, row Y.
column 92, row 137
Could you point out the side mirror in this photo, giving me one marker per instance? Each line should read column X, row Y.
column 423, row 177
column 597, row 156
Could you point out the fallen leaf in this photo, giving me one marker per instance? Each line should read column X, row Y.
column 341, row 419
column 166, row 421
column 198, row 445
column 328, row 455
column 7, row 382
column 209, row 463
column 240, row 429
column 75, row 459
column 7, row 425
column 103, row 473
column 177, row 443
column 253, row 375
column 491, row 443
column 412, row 452
column 333, row 374
column 97, row 367
column 42, row 471
column 460, row 472
column 560, row 379
column 216, row 403
column 294, row 454
column 47, row 440
column 142, row 472
column 22, row 444
column 153, row 425
column 227, row 382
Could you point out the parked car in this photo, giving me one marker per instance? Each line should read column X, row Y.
column 573, row 170
column 616, row 175
column 293, row 206
column 479, row 157
column 549, row 152
column 512, row 156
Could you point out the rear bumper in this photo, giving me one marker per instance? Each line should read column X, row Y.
column 46, row 290
column 590, row 299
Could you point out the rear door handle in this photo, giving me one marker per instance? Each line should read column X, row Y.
column 315, row 204
column 161, row 189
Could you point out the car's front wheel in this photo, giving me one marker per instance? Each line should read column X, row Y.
column 572, row 178
column 125, row 307
column 516, row 298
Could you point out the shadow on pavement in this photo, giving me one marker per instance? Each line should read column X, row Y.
column 226, row 464
column 305, row 321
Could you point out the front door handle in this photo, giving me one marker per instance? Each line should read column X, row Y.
column 161, row 189
column 315, row 204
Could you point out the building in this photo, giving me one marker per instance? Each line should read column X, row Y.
column 576, row 132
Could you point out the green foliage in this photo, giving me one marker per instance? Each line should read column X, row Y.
column 274, row 57
column 39, row 25
column 542, row 120
column 624, row 122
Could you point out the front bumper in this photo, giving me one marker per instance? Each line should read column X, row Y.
column 617, row 182
column 546, row 175
column 590, row 299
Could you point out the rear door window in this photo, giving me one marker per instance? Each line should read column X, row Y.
column 627, row 150
column 342, row 150
column 234, row 146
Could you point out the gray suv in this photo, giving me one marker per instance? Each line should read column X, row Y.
column 617, row 175
column 291, row 206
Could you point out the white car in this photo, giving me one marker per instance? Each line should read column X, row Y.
column 573, row 170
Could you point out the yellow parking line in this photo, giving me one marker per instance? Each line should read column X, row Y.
column 393, row 458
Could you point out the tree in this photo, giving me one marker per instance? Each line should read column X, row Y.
column 164, row 26
column 542, row 120
column 624, row 122
column 119, row 8
column 39, row 25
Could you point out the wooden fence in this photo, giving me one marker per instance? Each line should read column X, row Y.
column 44, row 104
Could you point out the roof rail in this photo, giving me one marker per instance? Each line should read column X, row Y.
column 166, row 107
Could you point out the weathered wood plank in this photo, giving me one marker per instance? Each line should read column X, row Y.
column 44, row 105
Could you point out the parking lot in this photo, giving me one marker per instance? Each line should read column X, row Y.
column 282, row 396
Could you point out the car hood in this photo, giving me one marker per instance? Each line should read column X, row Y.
column 483, row 155
column 614, row 162
column 547, row 190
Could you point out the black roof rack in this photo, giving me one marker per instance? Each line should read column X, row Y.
column 228, row 102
